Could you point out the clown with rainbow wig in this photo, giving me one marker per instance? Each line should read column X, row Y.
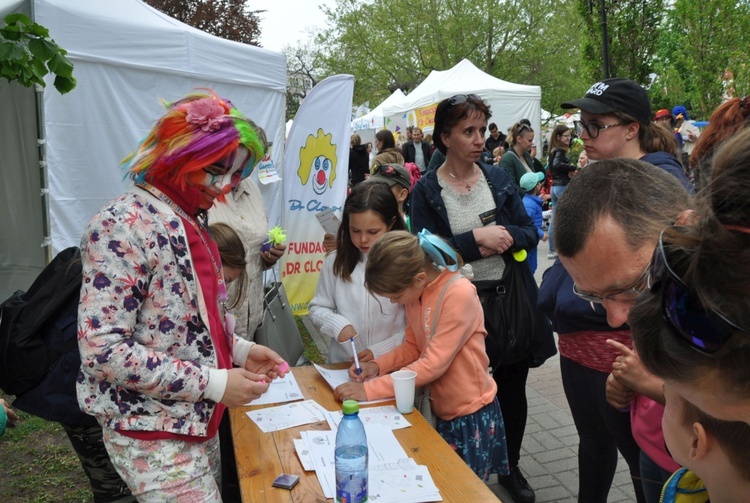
column 157, row 345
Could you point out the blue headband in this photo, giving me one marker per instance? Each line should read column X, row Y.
column 437, row 250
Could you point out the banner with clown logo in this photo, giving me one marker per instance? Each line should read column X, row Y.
column 316, row 172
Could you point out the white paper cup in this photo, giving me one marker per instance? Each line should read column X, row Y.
column 404, row 382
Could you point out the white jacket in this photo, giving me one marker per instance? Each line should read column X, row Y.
column 337, row 303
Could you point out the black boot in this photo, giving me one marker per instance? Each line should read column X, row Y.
column 517, row 486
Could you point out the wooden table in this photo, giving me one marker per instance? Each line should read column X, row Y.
column 263, row 456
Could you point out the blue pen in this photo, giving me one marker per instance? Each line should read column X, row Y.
column 356, row 358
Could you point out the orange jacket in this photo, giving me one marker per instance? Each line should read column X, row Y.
column 453, row 362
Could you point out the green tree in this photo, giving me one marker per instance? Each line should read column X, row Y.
column 391, row 44
column 230, row 19
column 27, row 54
column 632, row 28
column 304, row 65
column 703, row 55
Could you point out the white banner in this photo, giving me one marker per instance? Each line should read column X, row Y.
column 316, row 166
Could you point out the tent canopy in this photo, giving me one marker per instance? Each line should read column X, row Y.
column 375, row 118
column 508, row 102
column 127, row 56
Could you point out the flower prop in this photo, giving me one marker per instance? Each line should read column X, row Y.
column 206, row 113
column 276, row 236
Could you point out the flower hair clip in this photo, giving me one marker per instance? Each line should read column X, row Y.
column 206, row 113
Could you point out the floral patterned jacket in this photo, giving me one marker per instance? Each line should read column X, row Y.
column 146, row 353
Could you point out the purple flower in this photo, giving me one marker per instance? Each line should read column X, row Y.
column 101, row 281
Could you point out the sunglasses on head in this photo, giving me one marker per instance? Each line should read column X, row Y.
column 463, row 98
column 707, row 331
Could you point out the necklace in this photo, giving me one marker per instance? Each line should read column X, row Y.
column 465, row 181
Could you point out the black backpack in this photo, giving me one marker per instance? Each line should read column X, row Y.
column 37, row 327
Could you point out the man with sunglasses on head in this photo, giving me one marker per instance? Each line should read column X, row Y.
column 607, row 226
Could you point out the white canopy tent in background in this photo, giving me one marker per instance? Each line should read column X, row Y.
column 369, row 124
column 375, row 119
column 127, row 55
column 508, row 102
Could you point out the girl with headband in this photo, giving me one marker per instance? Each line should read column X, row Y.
column 444, row 345
column 157, row 346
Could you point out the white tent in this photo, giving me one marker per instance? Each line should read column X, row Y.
column 375, row 119
column 508, row 102
column 127, row 55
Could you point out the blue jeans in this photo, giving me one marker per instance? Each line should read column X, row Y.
column 653, row 478
column 556, row 191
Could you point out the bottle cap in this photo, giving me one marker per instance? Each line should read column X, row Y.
column 351, row 407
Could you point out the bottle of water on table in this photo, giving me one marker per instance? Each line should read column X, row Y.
column 351, row 457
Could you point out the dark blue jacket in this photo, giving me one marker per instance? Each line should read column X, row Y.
column 671, row 165
column 428, row 211
column 568, row 312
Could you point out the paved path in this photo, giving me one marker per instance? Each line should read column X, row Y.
column 550, row 446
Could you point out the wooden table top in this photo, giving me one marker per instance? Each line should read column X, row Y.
column 261, row 457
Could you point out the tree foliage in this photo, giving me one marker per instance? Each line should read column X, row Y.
column 27, row 54
column 230, row 19
column 703, row 55
column 633, row 28
column 391, row 44
column 304, row 61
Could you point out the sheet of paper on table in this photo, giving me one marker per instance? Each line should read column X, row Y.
column 393, row 477
column 287, row 416
column 385, row 414
column 280, row 390
column 336, row 378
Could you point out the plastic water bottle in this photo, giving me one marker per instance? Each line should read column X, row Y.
column 351, row 457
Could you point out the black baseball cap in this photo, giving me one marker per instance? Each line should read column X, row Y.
column 615, row 95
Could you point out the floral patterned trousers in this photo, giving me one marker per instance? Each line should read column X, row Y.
column 167, row 470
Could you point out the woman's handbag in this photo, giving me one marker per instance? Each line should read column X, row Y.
column 510, row 316
column 278, row 329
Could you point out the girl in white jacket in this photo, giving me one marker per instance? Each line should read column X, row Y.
column 342, row 308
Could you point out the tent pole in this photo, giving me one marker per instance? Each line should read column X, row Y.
column 41, row 143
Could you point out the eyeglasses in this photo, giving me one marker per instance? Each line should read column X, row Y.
column 593, row 129
column 707, row 331
column 463, row 98
column 628, row 294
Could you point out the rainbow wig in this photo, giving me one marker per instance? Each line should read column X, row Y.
column 195, row 132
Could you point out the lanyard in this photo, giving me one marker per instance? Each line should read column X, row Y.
column 223, row 297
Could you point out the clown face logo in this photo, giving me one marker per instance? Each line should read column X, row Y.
column 318, row 158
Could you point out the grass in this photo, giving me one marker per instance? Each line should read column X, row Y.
column 40, row 466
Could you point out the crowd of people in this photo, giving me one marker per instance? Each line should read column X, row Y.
column 648, row 294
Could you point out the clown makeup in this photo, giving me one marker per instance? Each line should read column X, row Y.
column 221, row 177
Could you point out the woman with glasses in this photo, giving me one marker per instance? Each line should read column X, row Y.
column 477, row 208
column 562, row 170
column 616, row 122
column 517, row 160
column 692, row 328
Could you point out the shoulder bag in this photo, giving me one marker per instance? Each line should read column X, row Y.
column 278, row 329
column 516, row 329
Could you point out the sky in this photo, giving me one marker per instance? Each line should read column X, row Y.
column 287, row 21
